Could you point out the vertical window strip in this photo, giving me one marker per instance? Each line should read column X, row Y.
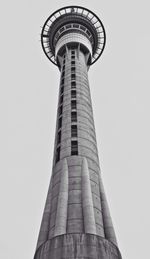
column 60, row 110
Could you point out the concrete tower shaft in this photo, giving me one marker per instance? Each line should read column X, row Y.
column 76, row 221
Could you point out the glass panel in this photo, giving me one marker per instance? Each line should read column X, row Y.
column 73, row 105
column 57, row 154
column 74, row 148
column 60, row 110
column 73, row 116
column 62, row 89
column 73, row 84
column 73, row 69
column 73, row 131
column 73, row 76
column 59, row 138
column 73, row 93
column 59, row 122
column 61, row 99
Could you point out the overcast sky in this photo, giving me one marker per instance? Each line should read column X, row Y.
column 119, row 83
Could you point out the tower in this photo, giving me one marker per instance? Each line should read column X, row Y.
column 76, row 220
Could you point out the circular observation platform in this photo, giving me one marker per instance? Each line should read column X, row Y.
column 72, row 25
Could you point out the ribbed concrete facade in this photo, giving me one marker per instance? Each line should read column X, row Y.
column 76, row 221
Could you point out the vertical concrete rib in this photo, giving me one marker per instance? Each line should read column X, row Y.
column 62, row 205
column 87, row 201
column 44, row 229
column 107, row 221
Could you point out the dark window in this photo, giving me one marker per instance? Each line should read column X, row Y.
column 73, row 56
column 74, row 148
column 73, row 105
column 73, row 76
column 73, row 84
column 73, row 69
column 63, row 73
column 59, row 138
column 88, row 32
column 73, row 116
column 73, row 93
column 62, row 29
column 82, row 28
column 60, row 110
column 76, row 25
column 63, row 67
column 59, row 122
column 61, row 99
column 62, row 89
column 57, row 154
column 62, row 81
column 57, row 35
column 73, row 62
column 73, row 52
column 73, row 131
column 68, row 26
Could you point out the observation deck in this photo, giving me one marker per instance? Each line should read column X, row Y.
column 73, row 26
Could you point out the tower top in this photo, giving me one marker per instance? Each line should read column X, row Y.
column 73, row 25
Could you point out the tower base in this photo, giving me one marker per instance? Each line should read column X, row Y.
column 77, row 246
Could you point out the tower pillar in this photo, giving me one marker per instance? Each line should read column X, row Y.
column 76, row 221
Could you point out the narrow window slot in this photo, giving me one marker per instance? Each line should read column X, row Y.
column 73, row 93
column 73, row 76
column 59, row 137
column 57, row 154
column 63, row 74
column 60, row 123
column 60, row 110
column 73, row 84
column 61, row 99
column 62, row 81
column 74, row 148
column 73, row 131
column 73, row 69
column 73, row 105
column 73, row 116
column 62, row 89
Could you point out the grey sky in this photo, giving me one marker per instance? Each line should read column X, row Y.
column 119, row 83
